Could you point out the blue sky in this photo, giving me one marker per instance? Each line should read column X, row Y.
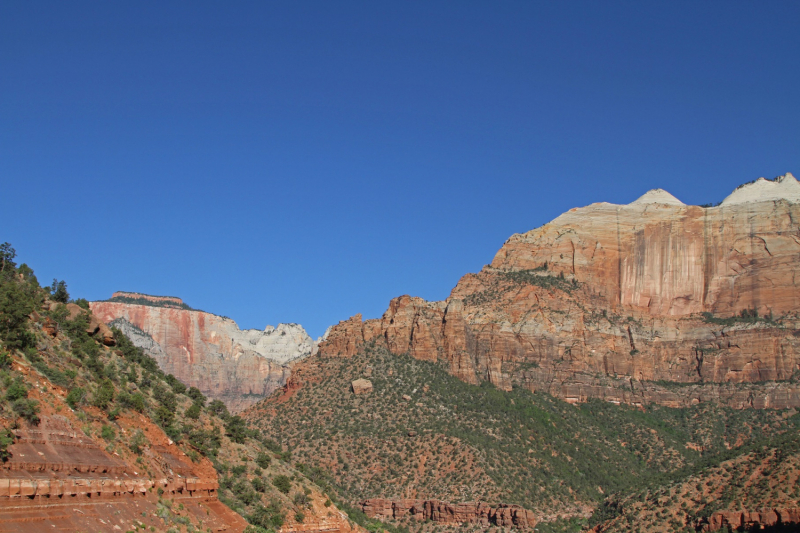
column 306, row 161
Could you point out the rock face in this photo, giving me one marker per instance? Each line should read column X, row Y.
column 54, row 468
column 617, row 301
column 450, row 513
column 750, row 521
column 210, row 352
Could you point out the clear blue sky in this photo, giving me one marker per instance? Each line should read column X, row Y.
column 306, row 161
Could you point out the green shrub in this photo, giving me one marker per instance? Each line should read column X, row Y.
column 6, row 440
column 137, row 402
column 163, row 416
column 177, row 386
column 17, row 301
column 300, row 499
column 108, row 433
column 138, row 442
column 104, row 394
column 258, row 484
column 193, row 412
column 75, row 397
column 269, row 517
column 165, row 397
column 263, row 460
column 58, row 291
column 236, row 429
column 27, row 409
column 196, row 396
column 16, row 390
column 282, row 483
column 218, row 408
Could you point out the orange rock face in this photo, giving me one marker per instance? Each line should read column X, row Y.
column 607, row 301
column 209, row 352
column 450, row 513
column 750, row 520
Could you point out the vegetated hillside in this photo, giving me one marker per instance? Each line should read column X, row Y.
column 423, row 433
column 86, row 414
column 751, row 488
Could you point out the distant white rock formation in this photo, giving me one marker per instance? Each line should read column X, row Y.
column 284, row 343
column 784, row 187
column 657, row 196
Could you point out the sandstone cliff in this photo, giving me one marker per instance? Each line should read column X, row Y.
column 654, row 301
column 210, row 352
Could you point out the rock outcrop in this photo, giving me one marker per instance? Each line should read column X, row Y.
column 210, row 352
column 650, row 302
column 478, row 513
column 750, row 520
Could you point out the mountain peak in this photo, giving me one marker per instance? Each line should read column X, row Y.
column 657, row 196
column 784, row 187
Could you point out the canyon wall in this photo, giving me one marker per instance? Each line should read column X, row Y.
column 210, row 352
column 650, row 302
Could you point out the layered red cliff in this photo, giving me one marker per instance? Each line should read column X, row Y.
column 59, row 479
column 606, row 301
column 210, row 352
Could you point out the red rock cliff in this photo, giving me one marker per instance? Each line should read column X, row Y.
column 512, row 516
column 606, row 301
column 210, row 352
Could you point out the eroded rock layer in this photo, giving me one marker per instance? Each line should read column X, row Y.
column 512, row 516
column 654, row 301
column 210, row 352
column 750, row 520
column 57, row 477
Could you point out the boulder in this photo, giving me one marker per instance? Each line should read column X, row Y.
column 100, row 331
column 361, row 386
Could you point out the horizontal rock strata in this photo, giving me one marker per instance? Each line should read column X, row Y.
column 627, row 303
column 450, row 513
column 59, row 479
column 750, row 520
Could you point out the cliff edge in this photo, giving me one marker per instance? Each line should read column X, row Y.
column 649, row 302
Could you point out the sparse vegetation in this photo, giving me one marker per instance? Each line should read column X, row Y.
column 480, row 443
column 746, row 316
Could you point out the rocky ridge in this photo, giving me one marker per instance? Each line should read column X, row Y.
column 650, row 302
column 207, row 351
